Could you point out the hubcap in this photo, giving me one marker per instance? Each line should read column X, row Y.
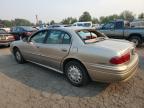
column 74, row 74
column 18, row 56
column 135, row 41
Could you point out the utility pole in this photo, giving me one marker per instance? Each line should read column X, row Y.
column 37, row 20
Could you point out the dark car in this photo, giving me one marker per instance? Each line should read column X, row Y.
column 5, row 38
column 22, row 31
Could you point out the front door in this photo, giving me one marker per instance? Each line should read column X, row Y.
column 31, row 49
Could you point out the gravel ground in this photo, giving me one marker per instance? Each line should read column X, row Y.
column 32, row 86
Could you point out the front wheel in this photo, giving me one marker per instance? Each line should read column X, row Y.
column 76, row 74
column 18, row 56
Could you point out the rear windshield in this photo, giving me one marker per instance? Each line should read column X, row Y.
column 90, row 36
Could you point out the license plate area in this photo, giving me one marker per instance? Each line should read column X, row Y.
column 2, row 38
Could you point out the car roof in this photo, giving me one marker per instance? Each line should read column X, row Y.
column 21, row 26
column 70, row 28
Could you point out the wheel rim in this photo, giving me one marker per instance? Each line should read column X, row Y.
column 18, row 55
column 135, row 41
column 74, row 74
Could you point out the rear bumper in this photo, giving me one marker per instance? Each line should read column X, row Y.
column 5, row 43
column 104, row 74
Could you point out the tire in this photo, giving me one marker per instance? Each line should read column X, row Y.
column 136, row 39
column 76, row 74
column 18, row 56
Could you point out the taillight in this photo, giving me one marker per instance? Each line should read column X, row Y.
column 10, row 38
column 122, row 59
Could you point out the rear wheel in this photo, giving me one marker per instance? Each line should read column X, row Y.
column 136, row 40
column 76, row 74
column 18, row 56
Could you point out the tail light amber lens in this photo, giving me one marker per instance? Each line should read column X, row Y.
column 119, row 60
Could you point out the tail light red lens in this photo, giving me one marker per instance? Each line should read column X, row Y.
column 11, row 38
column 122, row 59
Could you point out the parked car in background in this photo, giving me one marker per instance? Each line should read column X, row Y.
column 5, row 38
column 57, row 25
column 96, row 26
column 79, row 53
column 7, row 29
column 121, row 30
column 83, row 24
column 22, row 31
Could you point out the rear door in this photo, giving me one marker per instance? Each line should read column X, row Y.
column 56, row 47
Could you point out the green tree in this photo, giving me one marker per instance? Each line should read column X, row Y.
column 52, row 22
column 85, row 17
column 7, row 23
column 22, row 22
column 69, row 20
column 141, row 16
column 108, row 18
column 127, row 15
column 95, row 21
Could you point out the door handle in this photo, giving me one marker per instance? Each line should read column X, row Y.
column 64, row 50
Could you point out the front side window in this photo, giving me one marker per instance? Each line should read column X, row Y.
column 39, row 37
column 108, row 26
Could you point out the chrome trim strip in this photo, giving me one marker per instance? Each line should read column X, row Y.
column 46, row 67
column 119, row 68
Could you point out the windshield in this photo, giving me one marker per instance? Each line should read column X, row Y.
column 2, row 31
column 90, row 36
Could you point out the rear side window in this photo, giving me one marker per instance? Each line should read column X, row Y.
column 66, row 39
column 54, row 37
column 58, row 37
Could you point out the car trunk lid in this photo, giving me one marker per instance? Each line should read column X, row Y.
column 117, row 45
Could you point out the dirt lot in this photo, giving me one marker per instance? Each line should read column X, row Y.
column 32, row 86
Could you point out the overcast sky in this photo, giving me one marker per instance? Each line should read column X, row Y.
column 48, row 10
